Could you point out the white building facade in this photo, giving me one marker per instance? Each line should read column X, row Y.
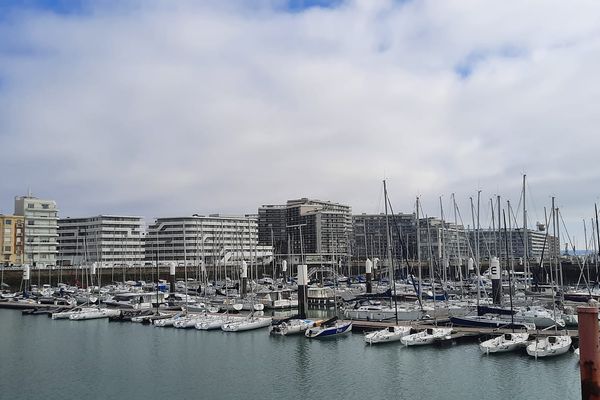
column 205, row 240
column 41, row 230
column 106, row 239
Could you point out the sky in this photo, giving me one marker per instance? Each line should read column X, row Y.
column 162, row 108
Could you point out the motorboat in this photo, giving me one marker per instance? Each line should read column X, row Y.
column 291, row 326
column 330, row 328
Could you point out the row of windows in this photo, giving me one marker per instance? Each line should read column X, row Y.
column 45, row 206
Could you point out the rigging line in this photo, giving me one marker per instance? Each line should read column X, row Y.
column 520, row 235
column 379, row 202
column 409, row 267
column 581, row 267
column 430, row 255
column 532, row 201
column 518, row 208
column 485, row 242
column 471, row 253
column 546, row 220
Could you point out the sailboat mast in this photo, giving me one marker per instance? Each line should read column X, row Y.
column 419, row 253
column 431, row 269
column 499, row 242
column 389, row 250
column 597, row 239
column 443, row 242
column 512, row 316
column 560, row 270
column 476, row 247
column 525, row 238
column 458, row 252
column 185, row 263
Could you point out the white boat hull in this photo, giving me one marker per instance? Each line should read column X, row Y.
column 426, row 337
column 211, row 324
column 292, row 327
column 391, row 334
column 246, row 325
column 550, row 346
column 95, row 314
column 504, row 343
column 67, row 314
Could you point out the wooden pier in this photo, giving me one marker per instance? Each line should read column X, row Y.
column 458, row 332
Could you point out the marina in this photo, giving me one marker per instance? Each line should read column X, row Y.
column 299, row 199
column 136, row 361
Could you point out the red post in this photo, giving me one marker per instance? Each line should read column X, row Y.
column 589, row 352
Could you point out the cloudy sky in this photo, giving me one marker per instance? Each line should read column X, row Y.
column 159, row 108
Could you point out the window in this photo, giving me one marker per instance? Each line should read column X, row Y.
column 7, row 248
column 30, row 222
column 8, row 222
column 30, row 205
column 45, row 206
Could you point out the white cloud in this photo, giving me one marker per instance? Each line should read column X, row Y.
column 162, row 108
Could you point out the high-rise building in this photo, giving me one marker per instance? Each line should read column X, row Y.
column 370, row 236
column 317, row 231
column 492, row 243
column 12, row 239
column 212, row 240
column 112, row 239
column 439, row 240
column 40, row 219
column 272, row 227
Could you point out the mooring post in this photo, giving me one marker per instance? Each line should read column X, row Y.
column 172, row 278
column 244, row 276
column 496, row 276
column 369, row 274
column 26, row 276
column 302, row 290
column 284, row 271
column 589, row 351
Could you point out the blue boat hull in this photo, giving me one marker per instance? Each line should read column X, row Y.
column 485, row 323
column 329, row 331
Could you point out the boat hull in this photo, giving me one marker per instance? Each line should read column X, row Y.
column 387, row 335
column 505, row 343
column 544, row 348
column 330, row 331
column 246, row 325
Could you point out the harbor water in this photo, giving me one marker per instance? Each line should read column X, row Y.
column 97, row 359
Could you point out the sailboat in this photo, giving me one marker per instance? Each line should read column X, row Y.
column 549, row 346
column 427, row 336
column 508, row 341
column 387, row 335
column 505, row 343
column 392, row 333
column 246, row 324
